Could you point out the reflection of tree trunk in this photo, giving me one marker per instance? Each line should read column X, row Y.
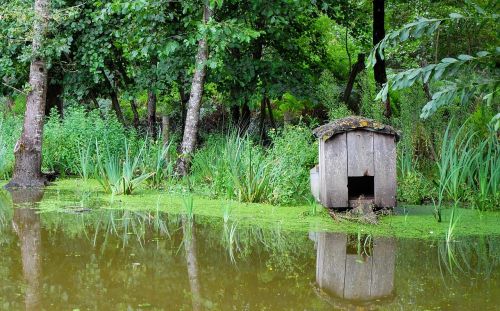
column 26, row 224
column 28, row 149
column 194, row 104
column 192, row 262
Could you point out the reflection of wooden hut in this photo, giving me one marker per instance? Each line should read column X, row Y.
column 351, row 276
column 357, row 161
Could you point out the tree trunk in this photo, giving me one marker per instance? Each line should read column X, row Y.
column 133, row 106
column 356, row 69
column 263, row 107
column 115, row 104
column 194, row 104
column 28, row 149
column 152, row 113
column 245, row 118
column 270, row 111
column 165, row 126
column 192, row 262
column 26, row 223
column 184, row 100
column 9, row 103
column 379, row 34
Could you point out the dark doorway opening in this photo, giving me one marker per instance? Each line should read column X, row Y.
column 360, row 186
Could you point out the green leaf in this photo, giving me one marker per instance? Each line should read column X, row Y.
column 465, row 57
column 456, row 16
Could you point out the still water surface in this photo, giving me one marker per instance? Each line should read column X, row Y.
column 123, row 260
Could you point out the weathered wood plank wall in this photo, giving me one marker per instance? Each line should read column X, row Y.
column 333, row 175
column 360, row 153
column 385, row 170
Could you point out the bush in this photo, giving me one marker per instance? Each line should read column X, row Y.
column 414, row 188
column 64, row 139
column 10, row 130
column 293, row 153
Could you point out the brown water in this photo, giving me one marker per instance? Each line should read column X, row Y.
column 122, row 260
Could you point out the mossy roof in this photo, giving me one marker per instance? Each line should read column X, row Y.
column 352, row 123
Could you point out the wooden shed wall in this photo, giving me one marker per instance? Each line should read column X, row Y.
column 333, row 171
column 360, row 153
column 384, row 147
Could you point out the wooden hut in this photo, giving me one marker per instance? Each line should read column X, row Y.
column 357, row 163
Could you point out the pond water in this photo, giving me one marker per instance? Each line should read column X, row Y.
column 124, row 260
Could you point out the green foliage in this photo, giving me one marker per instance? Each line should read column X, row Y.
column 469, row 168
column 292, row 154
column 10, row 129
column 235, row 167
column 119, row 173
column 481, row 70
column 65, row 140
column 414, row 188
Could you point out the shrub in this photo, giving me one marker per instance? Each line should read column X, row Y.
column 292, row 155
column 414, row 188
column 65, row 138
column 10, row 130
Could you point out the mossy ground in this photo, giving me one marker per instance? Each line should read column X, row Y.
column 411, row 222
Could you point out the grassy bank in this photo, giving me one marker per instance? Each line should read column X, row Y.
column 411, row 222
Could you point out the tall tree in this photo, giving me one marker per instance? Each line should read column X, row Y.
column 378, row 35
column 194, row 104
column 28, row 150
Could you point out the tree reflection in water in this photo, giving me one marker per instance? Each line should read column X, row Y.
column 26, row 223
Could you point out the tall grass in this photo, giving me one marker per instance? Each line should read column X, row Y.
column 119, row 175
column 468, row 168
column 234, row 167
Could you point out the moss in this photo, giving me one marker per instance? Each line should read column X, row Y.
column 415, row 221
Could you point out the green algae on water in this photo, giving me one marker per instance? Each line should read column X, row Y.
column 416, row 222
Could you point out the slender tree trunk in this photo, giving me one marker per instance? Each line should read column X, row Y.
column 263, row 106
column 245, row 118
column 379, row 34
column 165, row 127
column 9, row 103
column 192, row 262
column 152, row 113
column 194, row 104
column 115, row 104
column 270, row 111
column 26, row 223
column 356, row 69
column 28, row 149
column 184, row 100
column 133, row 106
